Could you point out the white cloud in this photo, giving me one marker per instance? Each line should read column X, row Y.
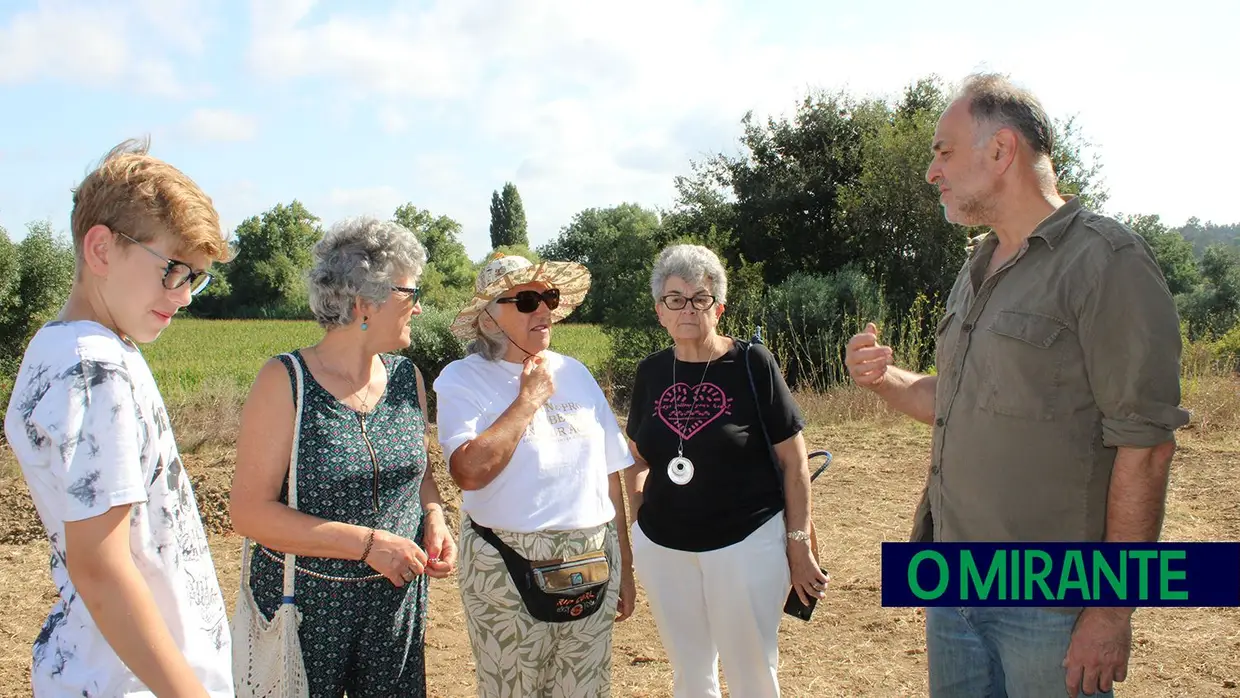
column 84, row 43
column 378, row 201
column 391, row 120
column 400, row 54
column 236, row 201
column 220, row 125
column 591, row 104
column 77, row 44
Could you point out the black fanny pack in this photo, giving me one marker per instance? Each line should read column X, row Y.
column 555, row 591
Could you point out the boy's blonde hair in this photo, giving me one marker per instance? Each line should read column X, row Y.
column 141, row 196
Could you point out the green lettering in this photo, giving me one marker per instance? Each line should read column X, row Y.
column 969, row 573
column 944, row 576
column 1014, row 591
column 1144, row 570
column 1102, row 568
column 1166, row 575
column 1039, row 577
column 1073, row 564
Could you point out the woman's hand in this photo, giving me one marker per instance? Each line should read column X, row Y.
column 397, row 558
column 807, row 577
column 440, row 545
column 537, row 385
column 628, row 595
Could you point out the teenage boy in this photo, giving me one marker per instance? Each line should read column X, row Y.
column 140, row 612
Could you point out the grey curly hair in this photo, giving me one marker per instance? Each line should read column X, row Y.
column 360, row 258
column 693, row 263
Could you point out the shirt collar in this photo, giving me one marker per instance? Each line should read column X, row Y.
column 1053, row 227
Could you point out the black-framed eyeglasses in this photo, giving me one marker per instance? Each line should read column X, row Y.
column 527, row 301
column 414, row 293
column 177, row 273
column 675, row 301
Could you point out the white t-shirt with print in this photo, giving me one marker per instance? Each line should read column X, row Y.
column 90, row 432
column 557, row 478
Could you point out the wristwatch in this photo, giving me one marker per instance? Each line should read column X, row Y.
column 799, row 536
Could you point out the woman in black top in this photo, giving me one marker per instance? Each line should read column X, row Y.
column 716, row 541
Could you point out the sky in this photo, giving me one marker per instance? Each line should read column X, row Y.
column 358, row 108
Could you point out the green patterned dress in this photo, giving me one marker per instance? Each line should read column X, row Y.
column 363, row 637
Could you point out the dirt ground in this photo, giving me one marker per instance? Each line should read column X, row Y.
column 852, row 647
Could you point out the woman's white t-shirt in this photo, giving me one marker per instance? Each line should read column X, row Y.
column 90, row 432
column 557, row 478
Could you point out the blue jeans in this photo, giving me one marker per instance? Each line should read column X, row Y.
column 997, row 652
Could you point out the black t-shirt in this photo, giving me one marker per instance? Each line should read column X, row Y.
column 735, row 487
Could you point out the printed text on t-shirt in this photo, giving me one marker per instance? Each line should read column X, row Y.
column 563, row 422
column 686, row 411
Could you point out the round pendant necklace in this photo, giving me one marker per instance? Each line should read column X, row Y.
column 680, row 469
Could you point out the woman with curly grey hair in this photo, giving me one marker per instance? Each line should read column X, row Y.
column 721, row 531
column 367, row 524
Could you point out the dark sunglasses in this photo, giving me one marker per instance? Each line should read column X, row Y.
column 527, row 301
column 414, row 293
column 176, row 272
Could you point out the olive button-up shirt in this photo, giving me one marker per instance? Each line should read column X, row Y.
column 1068, row 351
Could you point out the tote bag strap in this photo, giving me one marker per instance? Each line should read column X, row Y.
column 289, row 558
column 247, row 546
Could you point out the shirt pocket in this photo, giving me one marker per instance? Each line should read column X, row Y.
column 1024, row 359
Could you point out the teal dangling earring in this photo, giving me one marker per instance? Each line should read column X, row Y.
column 364, row 319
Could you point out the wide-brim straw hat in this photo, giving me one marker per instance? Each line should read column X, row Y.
column 504, row 272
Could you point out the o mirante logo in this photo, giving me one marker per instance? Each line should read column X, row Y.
column 1061, row 574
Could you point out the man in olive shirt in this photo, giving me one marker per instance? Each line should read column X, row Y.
column 1056, row 400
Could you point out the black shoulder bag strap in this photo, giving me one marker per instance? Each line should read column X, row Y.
column 753, row 390
column 792, row 605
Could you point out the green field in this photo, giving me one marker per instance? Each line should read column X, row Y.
column 194, row 357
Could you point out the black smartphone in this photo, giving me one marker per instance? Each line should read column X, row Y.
column 795, row 608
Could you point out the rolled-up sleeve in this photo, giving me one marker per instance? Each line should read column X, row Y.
column 1130, row 334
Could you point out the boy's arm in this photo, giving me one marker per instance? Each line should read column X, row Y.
column 100, row 564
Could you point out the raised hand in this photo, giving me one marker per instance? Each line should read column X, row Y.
column 866, row 359
column 536, row 383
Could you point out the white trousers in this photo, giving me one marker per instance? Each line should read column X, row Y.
column 717, row 605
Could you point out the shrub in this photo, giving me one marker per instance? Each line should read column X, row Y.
column 432, row 347
column 35, row 277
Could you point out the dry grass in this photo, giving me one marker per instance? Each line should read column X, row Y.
column 854, row 646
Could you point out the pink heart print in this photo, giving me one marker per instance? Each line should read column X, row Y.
column 686, row 411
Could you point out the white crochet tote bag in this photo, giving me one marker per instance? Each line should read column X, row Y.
column 267, row 659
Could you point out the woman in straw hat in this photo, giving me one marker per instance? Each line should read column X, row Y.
column 545, row 564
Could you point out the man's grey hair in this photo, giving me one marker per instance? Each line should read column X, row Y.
column 693, row 263
column 360, row 258
column 489, row 345
column 996, row 102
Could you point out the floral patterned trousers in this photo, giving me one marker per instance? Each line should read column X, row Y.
column 518, row 656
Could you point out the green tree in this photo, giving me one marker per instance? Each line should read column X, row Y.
column 1173, row 253
column 1214, row 307
column 36, row 275
column 508, row 225
column 890, row 218
column 449, row 275
column 785, row 188
column 1079, row 173
column 274, row 252
column 514, row 213
column 618, row 246
column 1202, row 235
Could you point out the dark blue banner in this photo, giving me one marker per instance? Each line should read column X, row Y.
column 1061, row 574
